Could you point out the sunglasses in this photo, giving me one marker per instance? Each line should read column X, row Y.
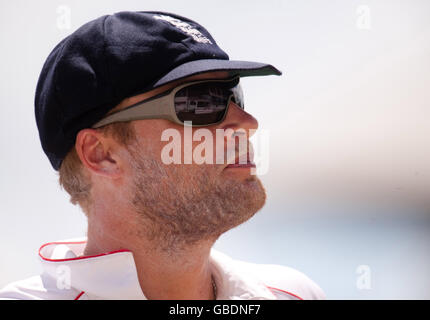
column 201, row 102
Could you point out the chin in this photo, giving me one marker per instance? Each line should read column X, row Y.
column 249, row 201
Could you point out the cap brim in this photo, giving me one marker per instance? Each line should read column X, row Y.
column 241, row 68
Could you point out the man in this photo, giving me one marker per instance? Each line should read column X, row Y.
column 110, row 99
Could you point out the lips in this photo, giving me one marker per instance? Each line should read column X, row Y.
column 249, row 162
column 245, row 165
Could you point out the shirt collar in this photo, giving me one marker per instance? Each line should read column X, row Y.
column 113, row 275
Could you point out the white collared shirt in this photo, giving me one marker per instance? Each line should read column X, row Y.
column 68, row 275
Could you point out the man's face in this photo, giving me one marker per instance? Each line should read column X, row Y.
column 186, row 203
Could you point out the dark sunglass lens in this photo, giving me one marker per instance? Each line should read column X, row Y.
column 203, row 103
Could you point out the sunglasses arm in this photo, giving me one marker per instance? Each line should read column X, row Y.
column 156, row 109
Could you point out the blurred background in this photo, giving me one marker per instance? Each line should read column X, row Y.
column 348, row 181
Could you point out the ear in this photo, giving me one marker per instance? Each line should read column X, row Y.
column 96, row 152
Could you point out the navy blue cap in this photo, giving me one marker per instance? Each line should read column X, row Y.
column 115, row 57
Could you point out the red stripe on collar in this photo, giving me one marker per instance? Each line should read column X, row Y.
column 76, row 258
column 289, row 293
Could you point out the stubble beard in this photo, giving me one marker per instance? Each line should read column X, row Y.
column 181, row 205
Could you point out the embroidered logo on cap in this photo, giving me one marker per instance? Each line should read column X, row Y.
column 186, row 28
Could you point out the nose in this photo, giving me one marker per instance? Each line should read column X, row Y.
column 237, row 118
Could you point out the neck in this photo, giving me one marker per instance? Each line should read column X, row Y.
column 176, row 274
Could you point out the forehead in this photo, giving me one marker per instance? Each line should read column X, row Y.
column 202, row 76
